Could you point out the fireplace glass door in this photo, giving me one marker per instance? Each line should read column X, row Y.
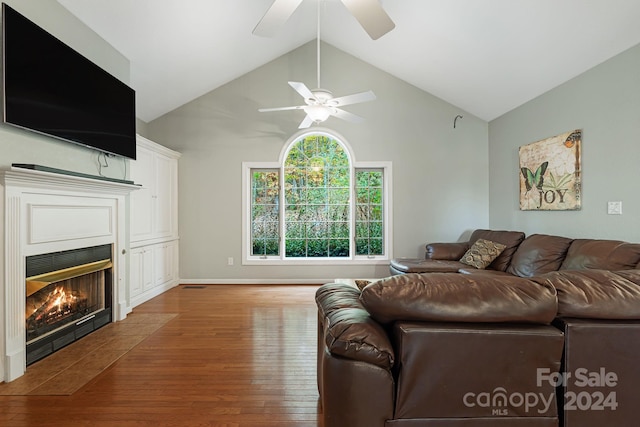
column 58, row 298
column 68, row 295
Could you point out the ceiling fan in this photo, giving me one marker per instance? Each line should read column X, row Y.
column 369, row 13
column 320, row 103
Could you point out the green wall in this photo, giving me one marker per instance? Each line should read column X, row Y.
column 605, row 103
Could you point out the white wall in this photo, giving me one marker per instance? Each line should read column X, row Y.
column 439, row 173
column 21, row 146
column 605, row 103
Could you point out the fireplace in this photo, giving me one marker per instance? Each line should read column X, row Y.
column 49, row 218
column 68, row 295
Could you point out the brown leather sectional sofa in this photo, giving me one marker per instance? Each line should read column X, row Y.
column 547, row 335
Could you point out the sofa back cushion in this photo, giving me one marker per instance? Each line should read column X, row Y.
column 601, row 254
column 447, row 297
column 539, row 254
column 511, row 239
column 595, row 294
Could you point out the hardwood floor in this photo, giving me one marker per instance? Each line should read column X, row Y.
column 235, row 356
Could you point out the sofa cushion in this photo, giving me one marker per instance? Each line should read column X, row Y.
column 459, row 298
column 349, row 330
column 417, row 265
column 601, row 254
column 539, row 254
column 511, row 239
column 482, row 253
column 596, row 294
column 477, row 272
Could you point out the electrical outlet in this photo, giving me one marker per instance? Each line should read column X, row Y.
column 230, row 261
column 614, row 208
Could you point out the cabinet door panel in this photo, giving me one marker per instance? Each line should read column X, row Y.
column 147, row 263
column 163, row 196
column 136, row 277
column 143, row 200
column 141, row 275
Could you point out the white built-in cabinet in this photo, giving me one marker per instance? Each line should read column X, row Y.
column 153, row 222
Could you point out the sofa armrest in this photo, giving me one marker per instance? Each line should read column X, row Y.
column 349, row 331
column 446, row 251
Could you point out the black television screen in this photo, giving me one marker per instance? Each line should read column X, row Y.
column 52, row 89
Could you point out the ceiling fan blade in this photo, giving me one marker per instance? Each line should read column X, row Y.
column 275, row 17
column 353, row 99
column 371, row 16
column 345, row 115
column 308, row 121
column 264, row 110
column 302, row 89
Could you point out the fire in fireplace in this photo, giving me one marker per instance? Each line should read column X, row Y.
column 66, row 301
column 57, row 298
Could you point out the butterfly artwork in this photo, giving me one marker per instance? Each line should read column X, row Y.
column 536, row 179
column 550, row 173
column 572, row 139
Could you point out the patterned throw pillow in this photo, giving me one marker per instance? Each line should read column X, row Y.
column 482, row 253
column 360, row 283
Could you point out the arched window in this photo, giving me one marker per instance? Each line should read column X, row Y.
column 316, row 203
column 317, row 190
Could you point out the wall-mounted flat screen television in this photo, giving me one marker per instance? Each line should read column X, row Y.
column 52, row 89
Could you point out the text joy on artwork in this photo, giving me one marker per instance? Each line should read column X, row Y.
column 549, row 196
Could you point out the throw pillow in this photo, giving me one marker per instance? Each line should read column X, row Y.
column 482, row 253
column 360, row 283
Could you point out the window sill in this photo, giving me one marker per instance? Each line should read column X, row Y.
column 322, row 261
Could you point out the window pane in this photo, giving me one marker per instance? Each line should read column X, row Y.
column 296, row 248
column 294, row 229
column 339, row 247
column 317, row 195
column 339, row 230
column 316, row 230
column 317, row 248
column 375, row 195
column 375, row 230
column 338, row 176
column 265, row 212
column 369, row 212
column 337, row 196
column 317, row 175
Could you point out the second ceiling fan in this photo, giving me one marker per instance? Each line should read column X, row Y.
column 369, row 13
column 320, row 103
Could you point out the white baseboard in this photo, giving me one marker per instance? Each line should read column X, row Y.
column 255, row 281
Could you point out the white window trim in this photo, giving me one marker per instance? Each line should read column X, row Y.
column 386, row 166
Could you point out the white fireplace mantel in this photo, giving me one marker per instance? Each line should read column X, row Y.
column 48, row 212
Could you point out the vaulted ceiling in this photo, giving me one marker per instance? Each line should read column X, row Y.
column 484, row 56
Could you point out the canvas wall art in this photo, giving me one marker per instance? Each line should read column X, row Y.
column 550, row 173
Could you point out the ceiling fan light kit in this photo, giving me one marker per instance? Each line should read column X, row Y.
column 320, row 102
column 318, row 113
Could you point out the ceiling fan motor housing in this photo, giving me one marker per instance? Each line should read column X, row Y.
column 320, row 96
